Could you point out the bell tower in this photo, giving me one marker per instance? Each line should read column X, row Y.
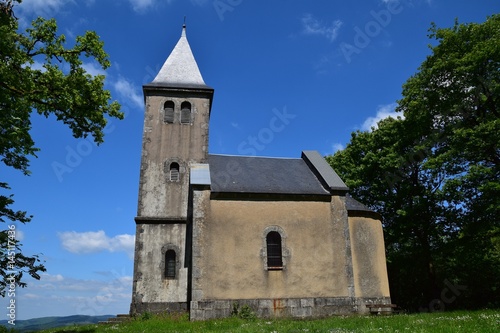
column 175, row 136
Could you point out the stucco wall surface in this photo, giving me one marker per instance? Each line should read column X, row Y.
column 230, row 237
column 368, row 254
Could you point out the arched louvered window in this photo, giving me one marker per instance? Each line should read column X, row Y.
column 174, row 172
column 170, row 263
column 168, row 112
column 185, row 113
column 274, row 256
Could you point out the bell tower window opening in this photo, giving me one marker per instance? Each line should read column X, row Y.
column 168, row 112
column 185, row 113
column 174, row 172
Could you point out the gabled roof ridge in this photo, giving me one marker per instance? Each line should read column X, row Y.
column 246, row 156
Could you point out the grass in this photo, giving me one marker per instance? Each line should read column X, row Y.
column 442, row 322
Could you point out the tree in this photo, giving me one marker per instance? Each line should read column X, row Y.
column 59, row 87
column 434, row 175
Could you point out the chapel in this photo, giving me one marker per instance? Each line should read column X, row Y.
column 219, row 233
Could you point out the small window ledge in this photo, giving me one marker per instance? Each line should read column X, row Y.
column 275, row 268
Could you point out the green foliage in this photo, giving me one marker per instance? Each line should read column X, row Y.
column 434, row 173
column 39, row 73
column 146, row 316
column 245, row 312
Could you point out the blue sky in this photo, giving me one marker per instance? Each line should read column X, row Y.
column 332, row 67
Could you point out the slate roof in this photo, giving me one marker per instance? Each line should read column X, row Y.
column 355, row 207
column 265, row 175
column 180, row 69
column 324, row 171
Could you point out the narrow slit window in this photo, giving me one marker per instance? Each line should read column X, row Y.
column 174, row 172
column 274, row 256
column 168, row 109
column 170, row 263
column 185, row 113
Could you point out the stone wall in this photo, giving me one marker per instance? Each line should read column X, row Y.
column 151, row 289
column 288, row 307
column 158, row 307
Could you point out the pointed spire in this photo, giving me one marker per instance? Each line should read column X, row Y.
column 181, row 68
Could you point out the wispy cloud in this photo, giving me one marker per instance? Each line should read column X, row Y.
column 313, row 26
column 336, row 147
column 68, row 295
column 142, row 6
column 42, row 7
column 93, row 69
column 96, row 241
column 383, row 111
column 129, row 92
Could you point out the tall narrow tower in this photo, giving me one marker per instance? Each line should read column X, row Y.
column 177, row 112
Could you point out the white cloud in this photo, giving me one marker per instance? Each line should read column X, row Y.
column 42, row 7
column 96, row 241
column 60, row 295
column 312, row 26
column 142, row 6
column 336, row 147
column 52, row 278
column 383, row 111
column 19, row 235
column 93, row 69
column 128, row 90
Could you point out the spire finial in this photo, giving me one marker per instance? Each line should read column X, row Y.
column 184, row 28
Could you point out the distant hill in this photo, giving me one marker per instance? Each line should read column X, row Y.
column 32, row 325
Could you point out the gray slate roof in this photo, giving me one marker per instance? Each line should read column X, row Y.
column 267, row 175
column 249, row 174
column 180, row 69
column 354, row 205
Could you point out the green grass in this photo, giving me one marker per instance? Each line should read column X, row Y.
column 443, row 322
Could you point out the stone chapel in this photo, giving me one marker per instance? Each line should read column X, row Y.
column 214, row 232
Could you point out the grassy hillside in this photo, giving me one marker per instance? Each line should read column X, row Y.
column 477, row 321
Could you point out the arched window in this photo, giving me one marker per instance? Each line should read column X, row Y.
column 170, row 264
column 174, row 172
column 274, row 257
column 168, row 112
column 185, row 113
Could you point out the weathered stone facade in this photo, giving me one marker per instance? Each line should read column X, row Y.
column 280, row 236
